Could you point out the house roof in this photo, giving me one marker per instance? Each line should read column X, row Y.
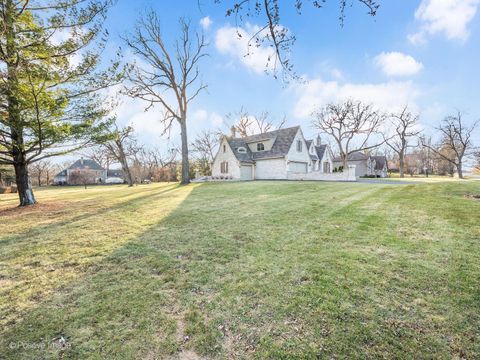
column 320, row 150
column 356, row 156
column 62, row 173
column 380, row 162
column 309, row 142
column 85, row 164
column 282, row 141
column 115, row 173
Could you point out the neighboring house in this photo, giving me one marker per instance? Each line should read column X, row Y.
column 115, row 177
column 365, row 164
column 87, row 171
column 270, row 155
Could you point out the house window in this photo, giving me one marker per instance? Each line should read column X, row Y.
column 326, row 167
column 224, row 167
column 260, row 147
column 224, row 148
column 299, row 145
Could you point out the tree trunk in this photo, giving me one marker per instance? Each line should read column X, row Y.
column 185, row 164
column 24, row 188
column 402, row 164
column 460, row 170
column 128, row 174
column 124, row 162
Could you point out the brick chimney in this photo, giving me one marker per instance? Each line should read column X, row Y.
column 81, row 161
column 233, row 131
column 318, row 141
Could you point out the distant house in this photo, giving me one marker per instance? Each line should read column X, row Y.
column 270, row 155
column 365, row 164
column 87, row 171
column 115, row 177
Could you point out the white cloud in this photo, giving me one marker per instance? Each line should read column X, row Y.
column 388, row 96
column 200, row 115
column 448, row 17
column 236, row 43
column 216, row 119
column 205, row 22
column 397, row 64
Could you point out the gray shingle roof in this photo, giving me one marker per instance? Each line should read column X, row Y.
column 62, row 173
column 320, row 151
column 356, row 156
column 282, row 141
column 380, row 162
column 115, row 173
column 314, row 157
column 85, row 164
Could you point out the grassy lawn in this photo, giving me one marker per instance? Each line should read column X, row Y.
column 278, row 270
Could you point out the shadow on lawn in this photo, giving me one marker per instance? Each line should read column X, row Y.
column 165, row 290
column 135, row 201
column 127, row 305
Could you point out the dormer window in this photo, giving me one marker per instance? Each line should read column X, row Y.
column 260, row 147
column 299, row 145
column 242, row 150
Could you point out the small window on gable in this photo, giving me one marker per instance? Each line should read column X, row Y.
column 224, row 148
column 299, row 145
column 224, row 167
column 242, row 150
column 260, row 147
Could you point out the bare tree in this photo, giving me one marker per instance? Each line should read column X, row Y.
column 404, row 123
column 272, row 33
column 351, row 124
column 476, row 167
column 42, row 171
column 456, row 141
column 205, row 144
column 246, row 124
column 100, row 155
column 169, row 74
column 121, row 145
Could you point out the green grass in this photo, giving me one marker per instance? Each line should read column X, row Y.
column 261, row 270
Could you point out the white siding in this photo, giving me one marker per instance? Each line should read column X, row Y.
column 299, row 167
column 298, row 156
column 270, row 169
column 229, row 156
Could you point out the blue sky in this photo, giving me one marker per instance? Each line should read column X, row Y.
column 422, row 52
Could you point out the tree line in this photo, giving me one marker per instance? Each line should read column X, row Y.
column 53, row 98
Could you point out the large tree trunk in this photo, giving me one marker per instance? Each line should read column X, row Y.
column 185, row 164
column 24, row 188
column 124, row 162
column 402, row 164
column 460, row 170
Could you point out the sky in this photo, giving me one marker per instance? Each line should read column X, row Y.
column 423, row 53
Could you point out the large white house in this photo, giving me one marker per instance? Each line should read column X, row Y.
column 271, row 155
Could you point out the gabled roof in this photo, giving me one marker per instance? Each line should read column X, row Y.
column 380, row 162
column 282, row 141
column 85, row 164
column 62, row 173
column 320, row 150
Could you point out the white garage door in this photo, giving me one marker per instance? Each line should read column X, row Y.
column 246, row 172
column 297, row 167
column 270, row 169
